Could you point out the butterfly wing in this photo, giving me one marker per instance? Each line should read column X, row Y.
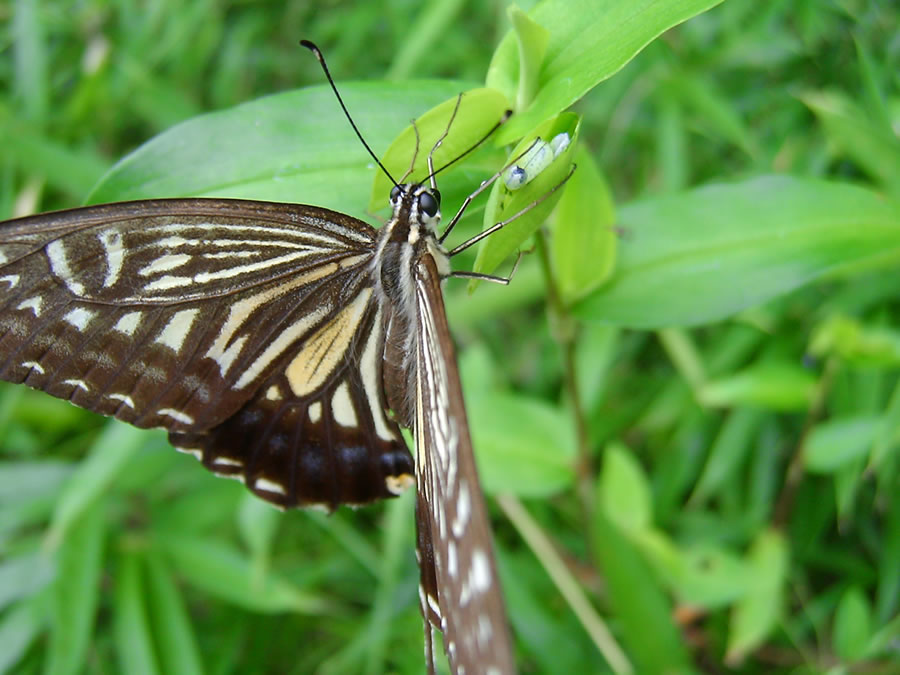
column 453, row 535
column 247, row 329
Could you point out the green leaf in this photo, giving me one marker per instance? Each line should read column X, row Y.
column 91, row 480
column 26, row 481
column 774, row 385
column 532, row 41
column 24, row 575
column 133, row 640
column 623, row 492
column 852, row 625
column 224, row 572
column 590, row 40
column 291, row 147
column 479, row 110
column 258, row 523
column 171, row 624
column 835, row 443
column 735, row 441
column 504, row 203
column 19, row 627
column 584, row 239
column 856, row 343
column 76, row 593
column 643, row 612
column 875, row 147
column 756, row 614
column 524, row 446
column 706, row 254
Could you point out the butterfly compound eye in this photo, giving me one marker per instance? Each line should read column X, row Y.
column 429, row 204
column 395, row 193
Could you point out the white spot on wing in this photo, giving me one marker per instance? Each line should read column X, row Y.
column 59, row 265
column 124, row 398
column 34, row 365
column 463, row 509
column 228, row 461
column 176, row 415
column 164, row 263
column 79, row 317
column 128, row 323
column 452, row 560
column 11, row 279
column 34, row 304
column 196, row 452
column 315, row 412
column 269, row 486
column 78, row 384
column 273, row 393
column 177, row 330
column 480, row 576
column 342, row 407
column 111, row 241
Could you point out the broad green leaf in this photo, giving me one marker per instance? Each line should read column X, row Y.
column 706, row 254
column 290, row 147
column 171, row 624
column 584, row 237
column 524, row 446
column 532, row 41
column 76, row 593
column 590, row 40
column 852, row 625
column 223, row 571
column 479, row 110
column 772, row 385
column 546, row 188
column 831, row 445
column 756, row 614
column 133, row 639
column 623, row 493
column 642, row 610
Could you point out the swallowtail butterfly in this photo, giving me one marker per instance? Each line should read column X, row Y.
column 279, row 343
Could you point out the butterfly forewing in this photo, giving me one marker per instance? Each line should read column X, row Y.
column 247, row 329
column 460, row 590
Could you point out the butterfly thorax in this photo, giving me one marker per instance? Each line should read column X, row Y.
column 407, row 237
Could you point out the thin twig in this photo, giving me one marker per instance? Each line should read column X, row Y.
column 563, row 579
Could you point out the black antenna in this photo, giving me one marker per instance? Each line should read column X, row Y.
column 318, row 53
column 506, row 116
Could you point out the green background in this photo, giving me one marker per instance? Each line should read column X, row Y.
column 684, row 405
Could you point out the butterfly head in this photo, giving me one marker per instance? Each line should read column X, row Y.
column 418, row 205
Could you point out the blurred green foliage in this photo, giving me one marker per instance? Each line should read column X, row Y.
column 712, row 413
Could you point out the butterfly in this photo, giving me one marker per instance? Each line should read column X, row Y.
column 282, row 344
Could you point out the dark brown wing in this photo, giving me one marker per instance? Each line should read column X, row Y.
column 247, row 329
column 460, row 591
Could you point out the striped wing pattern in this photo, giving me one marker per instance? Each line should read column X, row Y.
column 459, row 592
column 248, row 330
